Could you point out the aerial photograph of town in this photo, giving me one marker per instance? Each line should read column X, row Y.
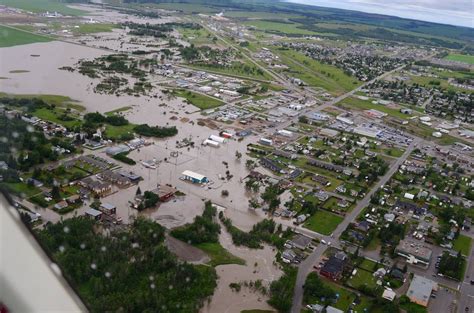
column 236, row 156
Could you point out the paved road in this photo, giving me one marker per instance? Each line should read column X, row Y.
column 466, row 298
column 306, row 266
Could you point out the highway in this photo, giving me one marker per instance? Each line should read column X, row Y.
column 307, row 265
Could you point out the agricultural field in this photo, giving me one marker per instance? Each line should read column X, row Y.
column 323, row 222
column 464, row 58
column 38, row 6
column 10, row 37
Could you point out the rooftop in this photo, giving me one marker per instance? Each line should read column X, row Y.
column 421, row 288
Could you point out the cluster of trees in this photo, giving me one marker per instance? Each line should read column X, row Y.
column 264, row 231
column 452, row 266
column 158, row 30
column 31, row 104
column 203, row 229
column 371, row 169
column 150, row 199
column 130, row 270
column 155, row 131
column 32, row 146
column 281, row 291
column 315, row 289
column 113, row 63
column 97, row 118
column 271, row 197
column 122, row 157
column 190, row 53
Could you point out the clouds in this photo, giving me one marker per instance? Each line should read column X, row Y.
column 455, row 12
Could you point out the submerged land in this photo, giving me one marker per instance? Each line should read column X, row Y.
column 241, row 157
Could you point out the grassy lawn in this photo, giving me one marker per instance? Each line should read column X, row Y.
column 14, row 37
column 362, row 278
column 198, row 100
column 21, row 189
column 94, row 28
column 461, row 58
column 54, row 115
column 373, row 244
column 323, row 222
column 463, row 244
column 219, row 255
column 115, row 132
column 367, row 265
column 394, row 152
column 355, row 103
column 347, row 297
column 39, row 6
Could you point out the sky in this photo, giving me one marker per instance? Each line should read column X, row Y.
column 453, row 12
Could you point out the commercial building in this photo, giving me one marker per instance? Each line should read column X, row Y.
column 414, row 251
column 94, row 214
column 194, row 177
column 211, row 143
column 420, row 290
column 108, row 208
column 217, row 138
column 111, row 151
column 164, row 192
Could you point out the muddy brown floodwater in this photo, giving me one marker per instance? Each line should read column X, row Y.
column 259, row 266
column 44, row 77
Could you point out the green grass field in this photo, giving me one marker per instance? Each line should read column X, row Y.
column 197, row 36
column 237, row 69
column 198, row 100
column 219, row 255
column 355, row 103
column 10, row 37
column 323, row 222
column 284, row 28
column 115, row 132
column 316, row 74
column 362, row 278
column 367, row 265
column 463, row 244
column 469, row 59
column 39, row 6
column 21, row 189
